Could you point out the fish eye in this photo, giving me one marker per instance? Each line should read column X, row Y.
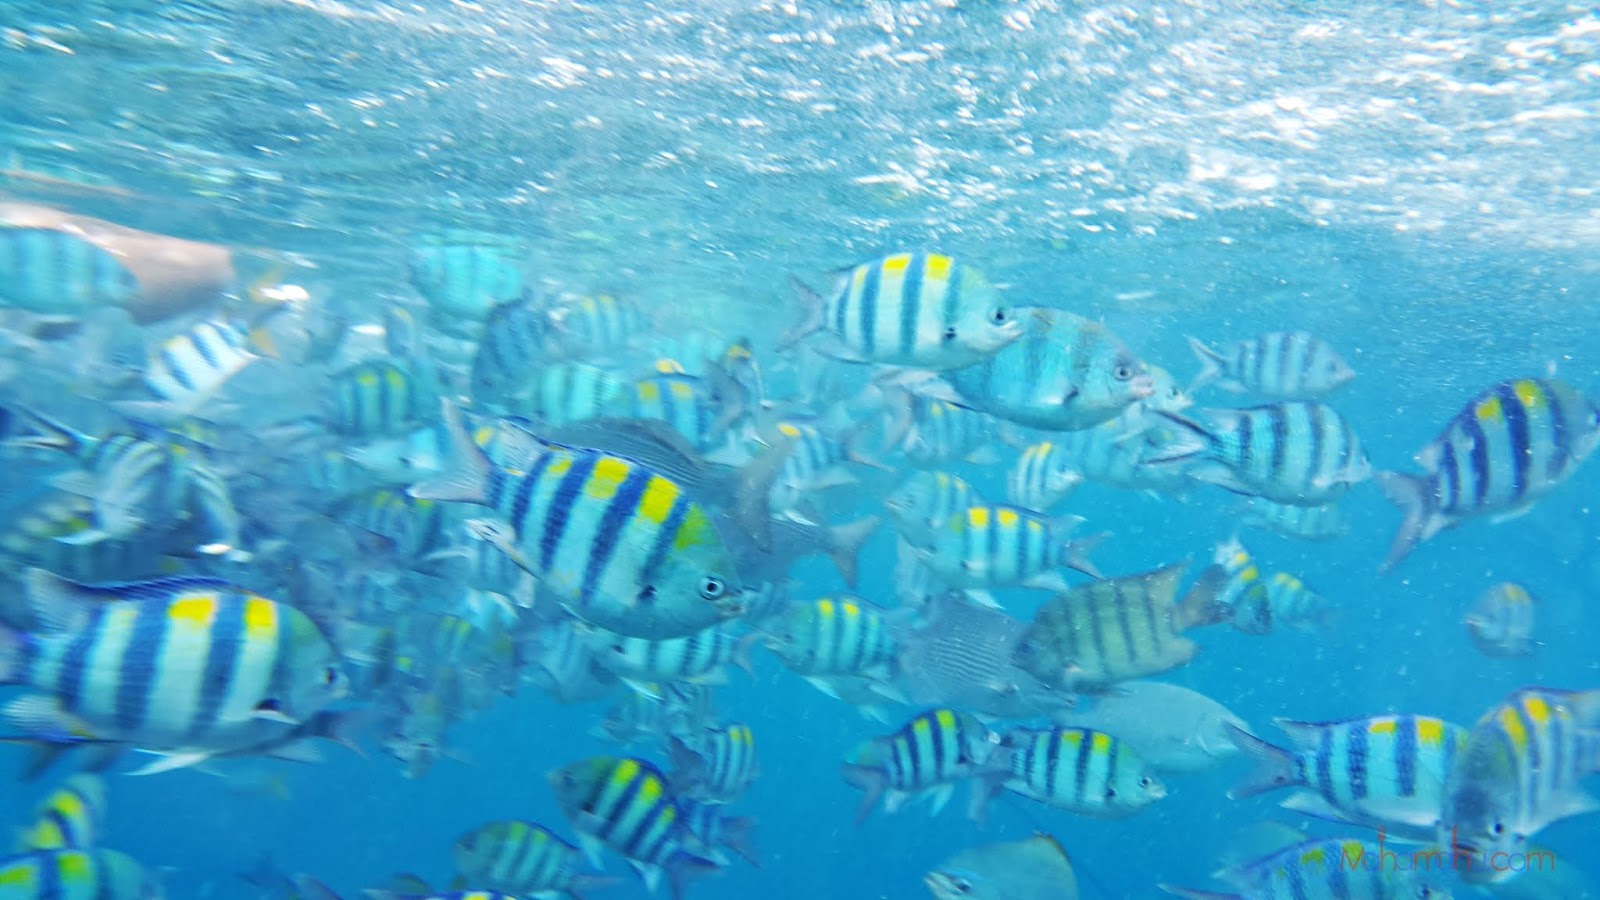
column 330, row 676
column 998, row 316
column 1123, row 372
column 961, row 885
column 950, row 333
column 1497, row 829
column 712, row 587
column 1146, row 782
column 1111, row 793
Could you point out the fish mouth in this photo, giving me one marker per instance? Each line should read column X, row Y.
column 1141, row 387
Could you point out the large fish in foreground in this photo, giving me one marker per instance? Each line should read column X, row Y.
column 1509, row 446
column 625, row 547
column 909, row 309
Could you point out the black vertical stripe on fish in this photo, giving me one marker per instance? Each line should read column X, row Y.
column 560, row 511
column 867, row 308
column 1278, row 420
column 1480, row 458
column 1111, row 768
column 681, row 506
column 222, row 656
column 70, row 678
column 198, row 337
column 1535, row 751
column 1517, row 430
column 1450, row 477
column 139, row 664
column 1124, row 623
column 1339, row 879
column 1052, row 761
column 1024, row 540
column 523, row 498
column 1405, row 756
column 991, row 541
column 911, row 301
column 842, row 305
column 1559, row 438
column 1356, row 755
column 170, row 361
column 1097, row 638
column 1325, row 763
column 1245, row 435
column 952, row 300
column 1297, row 882
column 1080, row 785
column 1317, row 423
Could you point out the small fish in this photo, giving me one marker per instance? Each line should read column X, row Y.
column 1501, row 622
column 1042, row 477
column 932, row 432
column 54, row 272
column 1292, row 452
column 927, row 757
column 669, row 709
column 1006, row 546
column 462, row 274
column 1033, row 869
column 835, row 635
column 1284, row 365
column 510, row 350
column 1382, row 772
column 521, row 859
column 625, row 804
column 1308, row 523
column 1328, row 869
column 68, row 819
column 561, row 393
column 1172, row 728
column 188, row 369
column 962, row 657
column 716, row 765
column 697, row 657
column 1520, row 771
column 408, row 527
column 380, row 398
column 926, row 499
column 1066, row 373
column 1080, row 770
column 70, row 874
column 908, row 309
column 715, row 830
column 1094, row 635
column 598, row 326
column 1510, row 445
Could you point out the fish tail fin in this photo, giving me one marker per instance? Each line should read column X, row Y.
column 684, row 866
column 812, row 306
column 752, row 507
column 688, row 766
column 1075, row 554
column 869, row 780
column 844, row 546
column 1211, row 363
column 1193, row 440
column 738, row 834
column 1275, row 766
column 1410, row 493
column 468, row 471
column 1201, row 606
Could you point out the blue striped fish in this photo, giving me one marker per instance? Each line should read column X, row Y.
column 1302, row 453
column 697, row 657
column 598, row 326
column 908, row 309
column 927, row 757
column 715, row 765
column 1005, row 546
column 563, row 392
column 1042, row 477
column 380, row 398
column 1382, row 772
column 1501, row 622
column 185, row 666
column 1336, row 869
column 835, row 635
column 52, row 272
column 1308, row 523
column 1080, row 770
column 521, row 858
column 926, row 499
column 68, row 819
column 510, row 349
column 1285, row 365
column 463, row 274
column 624, row 547
column 715, row 829
column 75, row 875
column 189, row 368
column 1521, row 770
column 625, row 804
column 1509, row 446
column 1066, row 373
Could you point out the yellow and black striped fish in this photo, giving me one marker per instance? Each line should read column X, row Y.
column 75, row 875
column 521, row 858
column 68, row 819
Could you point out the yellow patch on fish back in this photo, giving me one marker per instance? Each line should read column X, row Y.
column 1251, row 573
column 655, row 504
column 1538, row 710
column 681, row 391
column 559, row 465
column 1529, row 392
column 649, row 789
column 20, row 874
column 368, row 379
column 695, row 531
column 1100, row 742
column 937, row 268
column 922, row 726
column 608, row 473
column 624, row 773
column 850, row 609
column 947, row 719
column 1007, row 518
column 788, row 430
column 896, row 264
column 978, row 517
column 260, row 619
column 1314, row 856
column 74, row 867
column 669, row 367
column 649, row 391
column 1382, row 726
column 825, row 608
column 397, row 381
column 201, row 610
column 1511, row 724
column 1489, row 410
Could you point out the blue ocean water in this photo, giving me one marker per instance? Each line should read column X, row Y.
column 1412, row 182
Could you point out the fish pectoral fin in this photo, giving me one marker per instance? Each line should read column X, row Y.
column 167, row 762
column 593, row 847
column 271, row 711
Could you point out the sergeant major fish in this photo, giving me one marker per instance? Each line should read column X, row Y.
column 1285, row 365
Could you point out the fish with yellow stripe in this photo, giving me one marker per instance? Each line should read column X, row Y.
column 1520, row 771
column 626, row 804
column 715, row 765
column 1382, row 772
column 1335, row 869
column 908, row 309
column 75, row 875
column 623, row 546
column 1081, row 770
column 927, row 757
column 68, row 819
column 1006, row 546
column 186, row 667
column 187, row 370
column 525, row 859
column 1510, row 445
column 1043, row 476
column 926, row 499
column 382, row 398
